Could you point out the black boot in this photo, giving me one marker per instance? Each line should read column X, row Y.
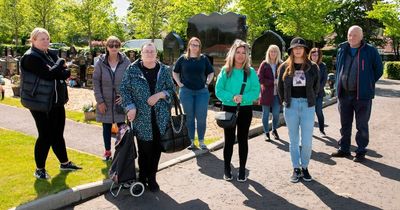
column 266, row 137
column 275, row 134
column 153, row 185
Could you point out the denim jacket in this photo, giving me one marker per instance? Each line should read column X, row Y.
column 135, row 91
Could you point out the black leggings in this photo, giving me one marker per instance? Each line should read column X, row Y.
column 50, row 127
column 149, row 155
column 243, row 124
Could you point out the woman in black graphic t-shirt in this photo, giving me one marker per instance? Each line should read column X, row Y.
column 298, row 85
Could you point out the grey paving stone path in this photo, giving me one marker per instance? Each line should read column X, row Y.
column 339, row 183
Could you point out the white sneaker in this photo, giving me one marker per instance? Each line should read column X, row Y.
column 192, row 146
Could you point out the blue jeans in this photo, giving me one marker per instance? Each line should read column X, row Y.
column 320, row 114
column 276, row 108
column 195, row 106
column 300, row 117
column 348, row 106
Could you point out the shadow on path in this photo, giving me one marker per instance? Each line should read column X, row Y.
column 149, row 200
column 329, row 141
column 384, row 170
column 333, row 200
column 259, row 198
column 318, row 156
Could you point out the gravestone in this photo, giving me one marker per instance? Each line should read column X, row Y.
column 217, row 33
column 173, row 47
column 261, row 44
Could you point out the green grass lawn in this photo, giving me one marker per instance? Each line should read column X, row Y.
column 72, row 115
column 17, row 164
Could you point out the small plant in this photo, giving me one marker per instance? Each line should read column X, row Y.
column 15, row 80
column 88, row 108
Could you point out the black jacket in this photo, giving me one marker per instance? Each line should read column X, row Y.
column 49, row 67
column 312, row 84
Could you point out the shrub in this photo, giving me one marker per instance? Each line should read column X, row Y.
column 392, row 70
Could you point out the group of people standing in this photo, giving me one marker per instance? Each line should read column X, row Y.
column 142, row 91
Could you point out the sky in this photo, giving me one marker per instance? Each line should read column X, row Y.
column 122, row 6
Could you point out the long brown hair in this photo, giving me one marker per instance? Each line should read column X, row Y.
column 230, row 57
column 314, row 50
column 289, row 71
column 187, row 54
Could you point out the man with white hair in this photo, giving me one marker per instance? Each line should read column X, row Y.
column 359, row 67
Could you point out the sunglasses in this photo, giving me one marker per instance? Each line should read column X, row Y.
column 195, row 45
column 114, row 45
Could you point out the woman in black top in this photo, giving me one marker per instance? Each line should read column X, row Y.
column 46, row 65
column 193, row 73
column 298, row 85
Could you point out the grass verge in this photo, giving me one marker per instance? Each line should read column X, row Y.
column 72, row 115
column 18, row 185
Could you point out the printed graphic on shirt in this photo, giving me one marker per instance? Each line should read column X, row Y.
column 299, row 79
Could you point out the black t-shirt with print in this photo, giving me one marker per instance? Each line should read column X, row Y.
column 299, row 83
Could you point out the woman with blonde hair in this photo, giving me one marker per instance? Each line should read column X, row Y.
column 269, row 99
column 193, row 73
column 316, row 56
column 298, row 85
column 46, row 65
column 233, row 74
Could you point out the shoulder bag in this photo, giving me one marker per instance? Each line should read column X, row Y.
column 228, row 119
column 176, row 137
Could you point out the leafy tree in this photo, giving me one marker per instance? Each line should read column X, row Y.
column 92, row 18
column 260, row 16
column 354, row 12
column 14, row 18
column 305, row 18
column 147, row 17
column 389, row 14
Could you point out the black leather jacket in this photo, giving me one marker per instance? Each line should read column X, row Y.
column 312, row 84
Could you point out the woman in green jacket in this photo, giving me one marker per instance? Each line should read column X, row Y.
column 227, row 90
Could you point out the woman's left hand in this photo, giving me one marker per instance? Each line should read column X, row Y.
column 118, row 100
column 152, row 100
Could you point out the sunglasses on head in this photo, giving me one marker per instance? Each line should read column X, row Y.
column 114, row 45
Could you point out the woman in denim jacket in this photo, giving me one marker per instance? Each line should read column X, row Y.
column 145, row 90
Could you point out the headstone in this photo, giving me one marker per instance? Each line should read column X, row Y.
column 261, row 44
column 89, row 76
column 173, row 47
column 217, row 33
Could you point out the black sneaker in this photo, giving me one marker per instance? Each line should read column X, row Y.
column 266, row 137
column 228, row 175
column 41, row 174
column 70, row 166
column 296, row 175
column 242, row 176
column 306, row 176
column 340, row 153
column 153, row 185
column 359, row 158
column 275, row 134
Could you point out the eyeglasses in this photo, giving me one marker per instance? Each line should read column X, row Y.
column 195, row 45
column 114, row 46
column 148, row 52
column 314, row 53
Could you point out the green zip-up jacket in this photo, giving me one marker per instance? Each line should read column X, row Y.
column 227, row 87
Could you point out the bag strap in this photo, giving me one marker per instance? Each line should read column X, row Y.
column 242, row 89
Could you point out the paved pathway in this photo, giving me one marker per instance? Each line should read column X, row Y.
column 338, row 183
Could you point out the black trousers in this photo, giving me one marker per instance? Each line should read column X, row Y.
column 149, row 155
column 243, row 125
column 50, row 127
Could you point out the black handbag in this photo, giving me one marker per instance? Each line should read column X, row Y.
column 176, row 137
column 228, row 119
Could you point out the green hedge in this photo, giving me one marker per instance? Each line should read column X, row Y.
column 392, row 70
